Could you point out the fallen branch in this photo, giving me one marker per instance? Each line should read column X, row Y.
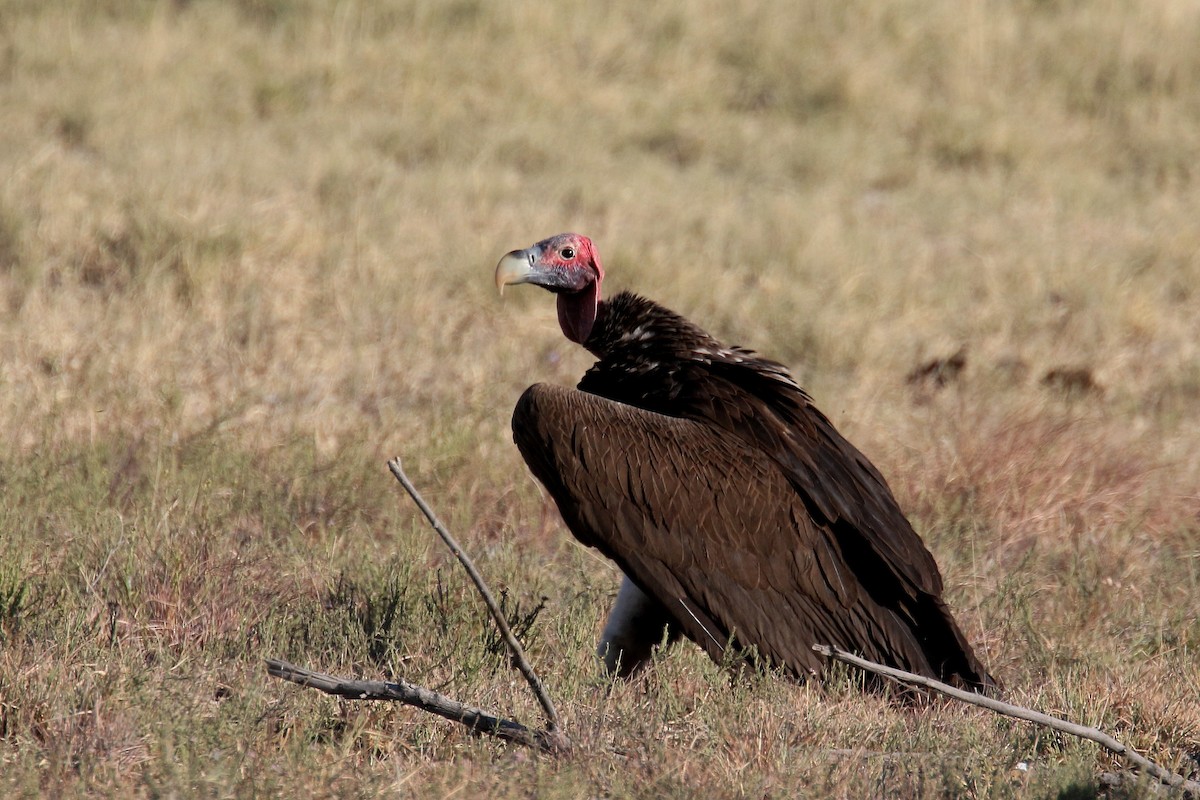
column 518, row 652
column 548, row 740
column 401, row 691
column 1189, row 788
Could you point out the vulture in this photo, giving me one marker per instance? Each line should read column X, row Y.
column 738, row 514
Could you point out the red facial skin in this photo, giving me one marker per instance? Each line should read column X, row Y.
column 568, row 265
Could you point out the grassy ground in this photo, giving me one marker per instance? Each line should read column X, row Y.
column 245, row 256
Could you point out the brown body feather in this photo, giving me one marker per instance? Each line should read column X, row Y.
column 707, row 474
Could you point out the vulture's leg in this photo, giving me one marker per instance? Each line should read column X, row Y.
column 635, row 625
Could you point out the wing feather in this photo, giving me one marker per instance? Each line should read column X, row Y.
column 708, row 525
column 757, row 401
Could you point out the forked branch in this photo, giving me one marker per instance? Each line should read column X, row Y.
column 518, row 652
column 548, row 740
column 1190, row 788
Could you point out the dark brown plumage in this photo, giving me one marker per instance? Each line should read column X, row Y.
column 724, row 495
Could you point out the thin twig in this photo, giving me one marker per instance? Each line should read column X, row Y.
column 480, row 721
column 518, row 653
column 1190, row 788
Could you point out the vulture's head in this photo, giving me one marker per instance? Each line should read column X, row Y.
column 566, row 264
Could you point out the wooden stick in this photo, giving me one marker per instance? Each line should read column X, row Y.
column 518, row 652
column 549, row 740
column 1190, row 788
column 476, row 719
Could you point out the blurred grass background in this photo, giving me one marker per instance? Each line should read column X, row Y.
column 245, row 257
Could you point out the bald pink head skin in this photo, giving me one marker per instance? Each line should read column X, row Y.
column 568, row 265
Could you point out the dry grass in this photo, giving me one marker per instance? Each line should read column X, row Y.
column 244, row 258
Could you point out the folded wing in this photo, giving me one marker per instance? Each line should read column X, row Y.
column 719, row 533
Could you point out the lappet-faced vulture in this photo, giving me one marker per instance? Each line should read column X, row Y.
column 737, row 512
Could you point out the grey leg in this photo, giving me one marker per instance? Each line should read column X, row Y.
column 635, row 625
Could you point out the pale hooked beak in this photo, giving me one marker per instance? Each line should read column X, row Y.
column 517, row 267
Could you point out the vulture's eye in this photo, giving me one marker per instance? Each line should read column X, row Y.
column 567, row 252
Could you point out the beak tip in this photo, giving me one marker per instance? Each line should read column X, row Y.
column 513, row 268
